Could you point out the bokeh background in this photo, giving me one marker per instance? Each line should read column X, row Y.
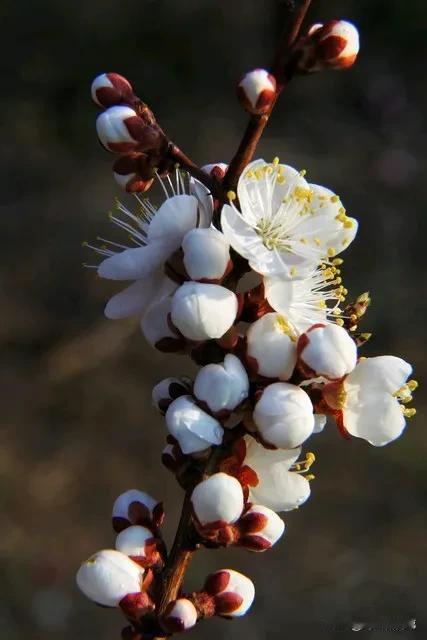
column 77, row 427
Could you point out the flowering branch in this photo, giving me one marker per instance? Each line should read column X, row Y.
column 275, row 360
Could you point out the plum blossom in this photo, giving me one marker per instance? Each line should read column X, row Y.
column 286, row 226
column 194, row 429
column 223, row 387
column 327, row 351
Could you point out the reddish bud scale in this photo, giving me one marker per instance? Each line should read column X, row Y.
column 254, row 543
column 136, row 605
column 110, row 89
column 227, row 603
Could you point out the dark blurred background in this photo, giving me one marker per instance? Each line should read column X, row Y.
column 77, row 423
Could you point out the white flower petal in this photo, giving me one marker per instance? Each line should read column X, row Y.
column 218, row 498
column 194, row 429
column 135, row 299
column 222, row 386
column 173, row 220
column 133, row 264
column 375, row 417
column 386, row 373
column 206, row 254
column 272, row 347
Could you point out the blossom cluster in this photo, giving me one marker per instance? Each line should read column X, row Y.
column 251, row 289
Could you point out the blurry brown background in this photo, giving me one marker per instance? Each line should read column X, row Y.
column 77, row 425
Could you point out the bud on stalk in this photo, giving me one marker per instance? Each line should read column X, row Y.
column 232, row 592
column 121, row 130
column 180, row 615
column 136, row 507
column 326, row 350
column 257, row 91
column 218, row 500
column 333, row 45
column 109, row 89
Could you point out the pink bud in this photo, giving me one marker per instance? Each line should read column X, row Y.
column 233, row 592
column 109, row 89
column 257, row 91
column 216, row 169
column 179, row 615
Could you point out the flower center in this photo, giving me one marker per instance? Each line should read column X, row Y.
column 272, row 235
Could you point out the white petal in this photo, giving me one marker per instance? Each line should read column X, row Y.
column 281, row 490
column 206, row 254
column 205, row 201
column 375, row 417
column 123, row 502
column 222, row 386
column 133, row 264
column 239, row 233
column 155, row 323
column 194, row 429
column 173, row 220
column 328, row 351
column 132, row 541
column 135, row 299
column 386, row 373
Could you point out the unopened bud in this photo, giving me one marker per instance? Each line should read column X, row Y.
column 110, row 89
column 121, row 130
column 260, row 528
column 133, row 173
column 271, row 347
column 233, row 593
column 328, row 351
column 334, row 45
column 257, row 91
column 284, row 415
column 222, row 387
column 140, row 544
column 168, row 390
column 194, row 429
column 108, row 576
column 216, row 170
column 218, row 500
column 157, row 329
column 206, row 255
column 136, row 507
column 203, row 311
column 179, row 615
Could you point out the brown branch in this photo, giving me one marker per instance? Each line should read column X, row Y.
column 282, row 68
column 178, row 156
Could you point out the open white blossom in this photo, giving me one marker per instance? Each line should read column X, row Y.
column 108, row 576
column 286, row 225
column 312, row 300
column 155, row 234
column 284, row 415
column 222, row 386
column 369, row 399
column 280, row 486
column 271, row 347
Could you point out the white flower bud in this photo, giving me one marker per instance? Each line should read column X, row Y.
column 194, row 429
column 216, row 169
column 108, row 576
column 169, row 389
column 271, row 347
column 218, row 499
column 110, row 89
column 222, row 386
column 121, row 130
column 135, row 507
column 180, row 615
column 334, row 45
column 257, row 91
column 319, row 422
column 233, row 592
column 261, row 528
column 328, row 351
column 156, row 327
column 132, row 541
column 284, row 415
column 206, row 254
column 203, row 311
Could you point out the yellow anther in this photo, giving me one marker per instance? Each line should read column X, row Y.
column 310, row 476
column 412, row 385
column 321, row 304
column 303, row 240
column 303, row 172
column 348, row 224
column 293, row 271
column 84, row 243
column 275, row 161
column 310, row 457
column 317, row 241
column 345, row 242
column 337, row 261
column 259, row 174
column 339, row 321
column 331, row 252
column 231, row 195
column 366, row 336
column 250, row 174
column 409, row 413
column 334, row 198
column 281, row 180
column 341, row 209
column 337, row 311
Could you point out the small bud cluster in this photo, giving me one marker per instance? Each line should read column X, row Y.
column 127, row 127
column 277, row 358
